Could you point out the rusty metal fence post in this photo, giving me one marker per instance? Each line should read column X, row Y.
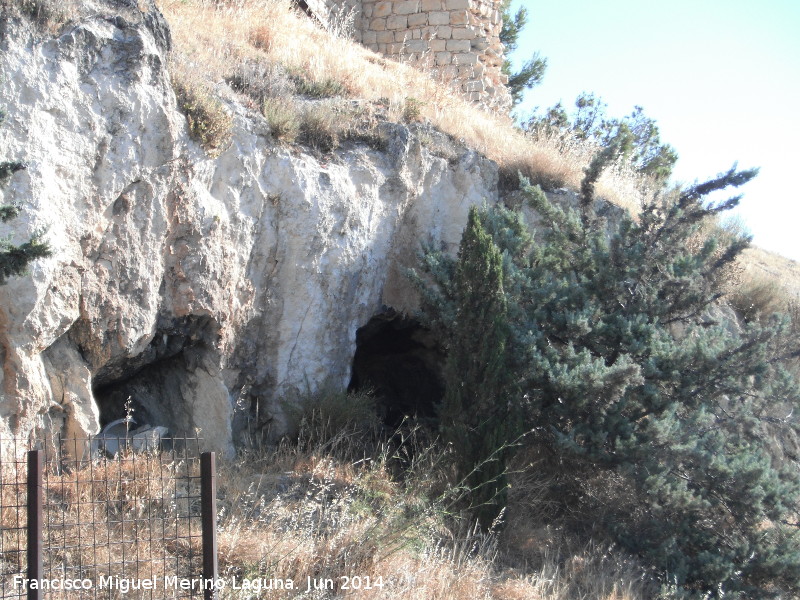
column 208, row 502
column 35, row 564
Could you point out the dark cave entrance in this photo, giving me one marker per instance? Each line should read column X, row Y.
column 400, row 361
column 150, row 386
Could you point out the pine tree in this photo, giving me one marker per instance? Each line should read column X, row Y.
column 614, row 339
column 683, row 416
column 532, row 72
column 642, row 147
column 477, row 415
column 14, row 260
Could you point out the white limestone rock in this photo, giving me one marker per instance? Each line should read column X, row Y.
column 201, row 284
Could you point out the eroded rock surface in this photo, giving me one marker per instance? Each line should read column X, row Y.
column 200, row 288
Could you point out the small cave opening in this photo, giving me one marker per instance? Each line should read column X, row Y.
column 150, row 386
column 400, row 361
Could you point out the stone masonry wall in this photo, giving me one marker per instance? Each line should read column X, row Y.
column 458, row 41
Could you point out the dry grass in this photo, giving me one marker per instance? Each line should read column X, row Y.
column 757, row 296
column 279, row 53
column 48, row 15
column 760, row 263
column 284, row 122
column 219, row 37
column 102, row 514
column 299, row 513
column 767, row 284
column 209, row 123
column 303, row 510
column 764, row 283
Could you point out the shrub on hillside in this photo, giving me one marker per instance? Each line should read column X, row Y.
column 319, row 127
column 261, row 80
column 325, row 87
column 283, row 118
column 48, row 15
column 757, row 298
column 412, row 110
column 623, row 369
column 210, row 125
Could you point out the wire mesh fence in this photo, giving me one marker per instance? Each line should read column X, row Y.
column 126, row 523
column 13, row 516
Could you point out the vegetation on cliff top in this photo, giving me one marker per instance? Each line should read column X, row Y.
column 271, row 54
column 657, row 419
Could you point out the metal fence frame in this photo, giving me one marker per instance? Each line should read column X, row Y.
column 49, row 477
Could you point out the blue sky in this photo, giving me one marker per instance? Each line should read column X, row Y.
column 722, row 79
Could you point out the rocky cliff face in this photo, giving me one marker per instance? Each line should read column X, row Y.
column 201, row 288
